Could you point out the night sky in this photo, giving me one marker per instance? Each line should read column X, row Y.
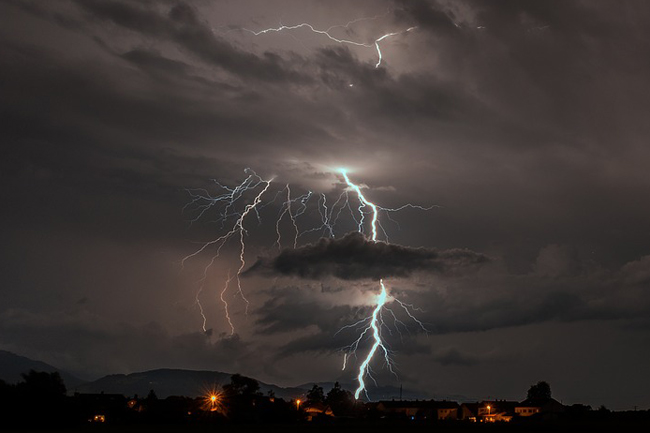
column 525, row 124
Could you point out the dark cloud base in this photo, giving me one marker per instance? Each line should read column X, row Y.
column 525, row 120
column 355, row 257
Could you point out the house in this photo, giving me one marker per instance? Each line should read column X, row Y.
column 420, row 409
column 547, row 407
column 526, row 408
column 101, row 407
column 315, row 410
column 408, row 409
column 468, row 412
column 445, row 410
column 496, row 411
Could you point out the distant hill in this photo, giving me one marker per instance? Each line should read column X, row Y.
column 166, row 382
column 12, row 366
column 191, row 383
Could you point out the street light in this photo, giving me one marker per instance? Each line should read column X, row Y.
column 298, row 404
column 213, row 402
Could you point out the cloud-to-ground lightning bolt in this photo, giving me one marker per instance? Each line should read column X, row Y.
column 375, row 321
column 364, row 213
column 327, row 34
column 286, row 209
column 376, row 335
column 225, row 305
column 240, row 228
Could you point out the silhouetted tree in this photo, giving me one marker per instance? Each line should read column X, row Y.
column 5, row 388
column 152, row 395
column 315, row 395
column 242, row 386
column 541, row 391
column 578, row 411
column 602, row 413
column 8, row 403
column 42, row 384
column 241, row 394
column 44, row 391
column 339, row 400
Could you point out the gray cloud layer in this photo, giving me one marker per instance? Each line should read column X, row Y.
column 525, row 120
column 486, row 301
column 354, row 257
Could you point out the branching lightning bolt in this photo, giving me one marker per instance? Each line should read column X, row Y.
column 204, row 202
column 286, row 209
column 242, row 231
column 225, row 305
column 376, row 320
column 326, row 33
column 366, row 217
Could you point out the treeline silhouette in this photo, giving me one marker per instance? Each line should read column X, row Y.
column 40, row 401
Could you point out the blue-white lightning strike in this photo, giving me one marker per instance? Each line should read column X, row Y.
column 227, row 203
column 326, row 33
column 375, row 321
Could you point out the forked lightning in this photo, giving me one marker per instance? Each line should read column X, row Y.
column 255, row 189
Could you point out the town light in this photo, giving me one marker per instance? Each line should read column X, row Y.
column 213, row 401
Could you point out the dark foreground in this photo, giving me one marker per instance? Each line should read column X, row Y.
column 627, row 422
column 40, row 404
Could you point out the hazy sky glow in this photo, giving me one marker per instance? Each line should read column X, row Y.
column 524, row 122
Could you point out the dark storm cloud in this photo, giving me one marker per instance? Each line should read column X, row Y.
column 453, row 356
column 96, row 137
column 182, row 26
column 328, row 343
column 354, row 257
column 154, row 62
column 403, row 99
column 147, row 346
column 298, row 309
column 547, row 58
column 484, row 302
column 481, row 302
column 569, row 294
column 525, row 120
column 292, row 308
column 426, row 15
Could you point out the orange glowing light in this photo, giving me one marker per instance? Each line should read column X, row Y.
column 213, row 402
